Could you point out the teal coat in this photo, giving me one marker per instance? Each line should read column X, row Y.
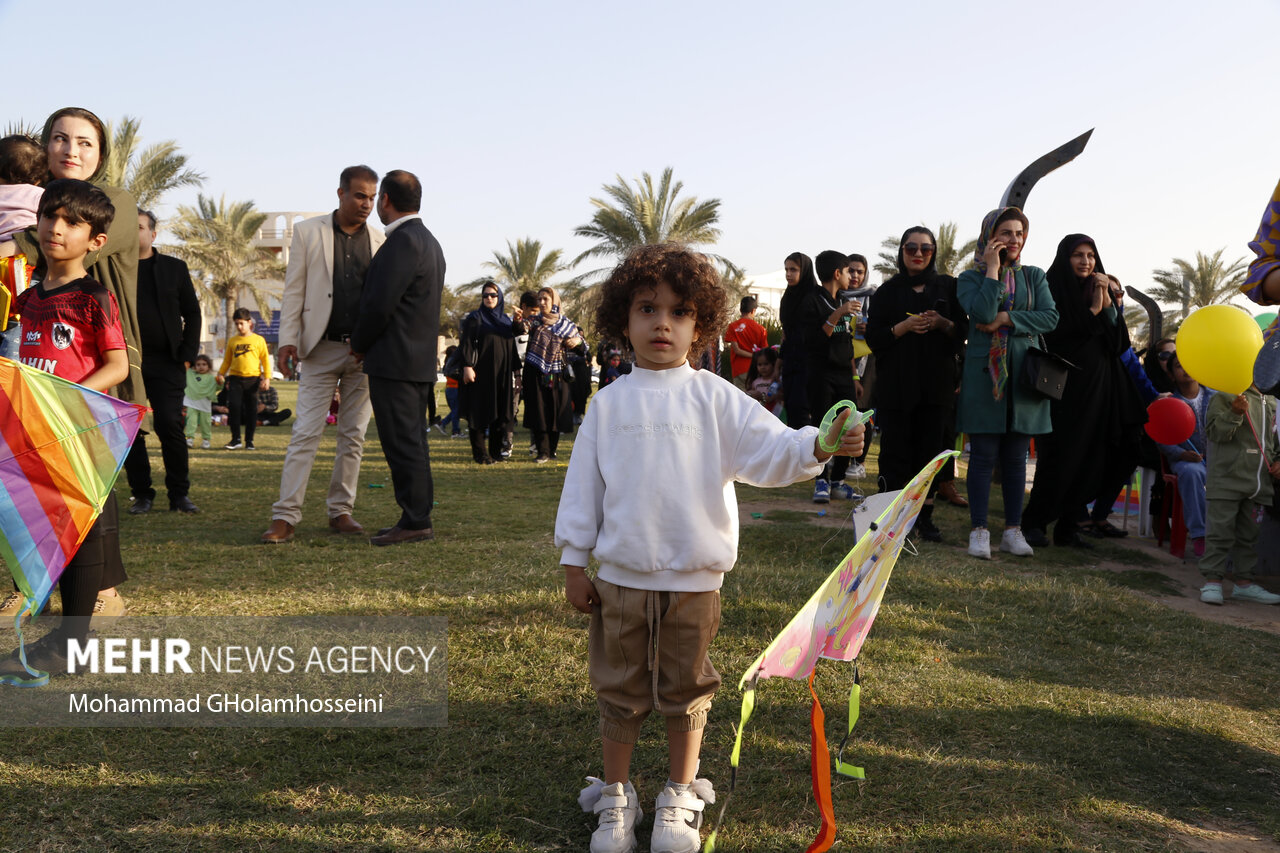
column 979, row 296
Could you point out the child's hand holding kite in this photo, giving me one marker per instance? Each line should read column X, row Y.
column 836, row 437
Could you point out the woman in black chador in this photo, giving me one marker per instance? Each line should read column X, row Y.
column 1097, row 423
column 486, row 394
column 915, row 329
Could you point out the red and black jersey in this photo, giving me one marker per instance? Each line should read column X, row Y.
column 67, row 331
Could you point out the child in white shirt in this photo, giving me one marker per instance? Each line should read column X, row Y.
column 649, row 492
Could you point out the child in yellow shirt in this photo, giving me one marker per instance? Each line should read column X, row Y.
column 245, row 368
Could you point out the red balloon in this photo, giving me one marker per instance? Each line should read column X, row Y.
column 1170, row 421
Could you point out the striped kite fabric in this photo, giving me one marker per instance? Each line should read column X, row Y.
column 61, row 449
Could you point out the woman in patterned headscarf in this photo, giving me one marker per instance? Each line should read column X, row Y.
column 1009, row 307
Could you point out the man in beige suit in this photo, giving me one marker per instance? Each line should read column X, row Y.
column 328, row 259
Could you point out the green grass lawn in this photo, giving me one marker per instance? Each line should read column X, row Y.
column 1007, row 705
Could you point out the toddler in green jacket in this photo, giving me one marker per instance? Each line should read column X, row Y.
column 1242, row 460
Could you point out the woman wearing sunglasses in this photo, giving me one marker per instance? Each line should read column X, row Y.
column 1098, row 421
column 486, row 394
column 915, row 329
column 1156, row 365
column 1009, row 307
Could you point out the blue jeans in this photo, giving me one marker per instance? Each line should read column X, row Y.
column 1191, row 477
column 1011, row 449
column 451, row 397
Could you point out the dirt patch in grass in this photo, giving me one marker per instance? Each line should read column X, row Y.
column 1224, row 839
column 1154, row 573
column 1182, row 592
column 834, row 514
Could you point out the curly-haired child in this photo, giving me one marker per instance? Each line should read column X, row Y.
column 649, row 493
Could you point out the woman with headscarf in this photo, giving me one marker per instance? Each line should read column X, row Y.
column 1009, row 306
column 548, row 406
column 1096, row 423
column 915, row 329
column 801, row 281
column 490, row 363
column 77, row 146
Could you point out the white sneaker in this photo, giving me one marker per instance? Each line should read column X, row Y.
column 678, row 818
column 618, row 809
column 205, row 445
column 1254, row 593
column 191, row 442
column 1015, row 543
column 1211, row 593
column 980, row 543
column 856, row 471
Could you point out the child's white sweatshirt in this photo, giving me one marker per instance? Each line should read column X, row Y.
column 650, row 490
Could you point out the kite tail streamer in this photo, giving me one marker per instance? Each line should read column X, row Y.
column 748, row 705
column 820, row 761
column 38, row 678
column 855, row 698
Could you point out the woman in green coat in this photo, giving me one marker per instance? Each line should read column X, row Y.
column 1009, row 307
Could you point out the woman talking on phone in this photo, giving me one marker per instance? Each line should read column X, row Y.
column 1009, row 306
column 915, row 329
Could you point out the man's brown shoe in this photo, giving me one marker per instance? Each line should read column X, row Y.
column 278, row 533
column 344, row 524
column 947, row 492
column 399, row 535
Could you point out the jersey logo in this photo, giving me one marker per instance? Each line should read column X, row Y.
column 63, row 335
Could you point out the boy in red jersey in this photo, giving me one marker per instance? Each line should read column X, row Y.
column 71, row 328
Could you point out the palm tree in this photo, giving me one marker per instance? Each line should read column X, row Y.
column 147, row 174
column 646, row 215
column 951, row 259
column 1207, row 282
column 524, row 266
column 217, row 243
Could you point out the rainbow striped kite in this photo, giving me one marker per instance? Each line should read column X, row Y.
column 61, row 448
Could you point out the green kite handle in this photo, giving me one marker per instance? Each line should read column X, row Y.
column 829, row 419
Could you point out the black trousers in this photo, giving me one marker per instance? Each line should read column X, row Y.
column 496, row 439
column 400, row 411
column 909, row 438
column 96, row 566
column 166, row 380
column 242, row 406
column 825, row 389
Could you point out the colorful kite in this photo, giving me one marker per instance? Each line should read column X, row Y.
column 61, row 448
column 833, row 625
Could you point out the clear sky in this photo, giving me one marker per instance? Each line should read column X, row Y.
column 818, row 124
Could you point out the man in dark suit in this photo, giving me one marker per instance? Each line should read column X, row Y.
column 169, row 321
column 396, row 334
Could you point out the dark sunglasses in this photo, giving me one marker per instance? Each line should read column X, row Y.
column 488, row 296
column 1166, row 355
column 918, row 248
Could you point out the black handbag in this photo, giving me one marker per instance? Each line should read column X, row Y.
column 1045, row 373
column 453, row 365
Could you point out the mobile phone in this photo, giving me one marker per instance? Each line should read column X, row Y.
column 1004, row 256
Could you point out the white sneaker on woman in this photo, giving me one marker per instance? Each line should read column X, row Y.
column 1015, row 543
column 980, row 543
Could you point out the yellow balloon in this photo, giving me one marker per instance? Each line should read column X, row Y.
column 1217, row 345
